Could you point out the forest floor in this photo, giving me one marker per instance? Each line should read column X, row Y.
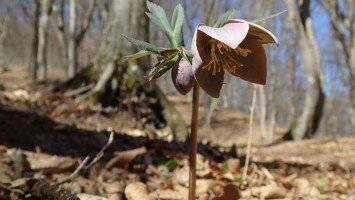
column 44, row 137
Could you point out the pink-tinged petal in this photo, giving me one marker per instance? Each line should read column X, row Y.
column 253, row 66
column 194, row 48
column 257, row 32
column 211, row 84
column 231, row 33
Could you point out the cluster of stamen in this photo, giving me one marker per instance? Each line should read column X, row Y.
column 222, row 56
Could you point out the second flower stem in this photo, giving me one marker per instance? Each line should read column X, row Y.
column 193, row 142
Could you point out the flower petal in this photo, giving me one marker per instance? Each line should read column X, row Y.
column 253, row 66
column 231, row 33
column 211, row 84
column 257, row 32
column 198, row 39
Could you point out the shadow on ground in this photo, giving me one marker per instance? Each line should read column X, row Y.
column 30, row 131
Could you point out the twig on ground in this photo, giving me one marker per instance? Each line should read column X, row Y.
column 250, row 137
column 84, row 166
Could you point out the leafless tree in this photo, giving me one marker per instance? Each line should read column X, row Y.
column 71, row 44
column 343, row 24
column 3, row 34
column 307, row 123
column 46, row 8
column 33, row 64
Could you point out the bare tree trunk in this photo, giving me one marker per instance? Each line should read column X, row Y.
column 262, row 106
column 76, row 35
column 344, row 29
column 59, row 14
column 211, row 108
column 33, row 64
column 42, row 39
column 307, row 123
column 3, row 34
column 273, row 108
column 71, row 40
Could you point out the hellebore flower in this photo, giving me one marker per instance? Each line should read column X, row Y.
column 236, row 47
column 182, row 76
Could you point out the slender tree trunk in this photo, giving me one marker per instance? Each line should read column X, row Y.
column 307, row 123
column 42, row 39
column 33, row 64
column 71, row 41
column 70, row 46
column 262, row 105
column 351, row 58
column 211, row 108
column 59, row 14
column 342, row 21
column 3, row 34
column 273, row 108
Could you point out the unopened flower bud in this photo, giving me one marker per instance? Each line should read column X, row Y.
column 182, row 76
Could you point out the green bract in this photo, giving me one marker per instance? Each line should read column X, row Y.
column 226, row 16
column 174, row 30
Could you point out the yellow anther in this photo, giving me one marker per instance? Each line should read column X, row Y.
column 243, row 52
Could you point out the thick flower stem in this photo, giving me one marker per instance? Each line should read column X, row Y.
column 193, row 142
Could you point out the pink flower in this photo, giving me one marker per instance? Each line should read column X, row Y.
column 236, row 47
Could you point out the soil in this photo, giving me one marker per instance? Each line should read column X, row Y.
column 50, row 133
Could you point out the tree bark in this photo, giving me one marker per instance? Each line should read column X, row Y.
column 71, row 40
column 3, row 34
column 262, row 102
column 33, row 64
column 344, row 31
column 211, row 108
column 76, row 36
column 307, row 123
column 46, row 7
column 59, row 14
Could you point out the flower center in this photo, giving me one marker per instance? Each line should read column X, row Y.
column 222, row 56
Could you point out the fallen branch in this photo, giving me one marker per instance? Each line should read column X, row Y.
column 84, row 166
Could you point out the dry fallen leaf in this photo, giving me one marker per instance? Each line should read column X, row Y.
column 230, row 192
column 114, row 190
column 167, row 195
column 273, row 192
column 304, row 187
column 49, row 164
column 136, row 191
column 83, row 196
column 233, row 165
column 124, row 158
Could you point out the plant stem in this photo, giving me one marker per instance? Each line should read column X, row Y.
column 250, row 137
column 193, row 142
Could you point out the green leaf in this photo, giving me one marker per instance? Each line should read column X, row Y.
column 158, row 16
column 162, row 67
column 163, row 70
column 168, row 52
column 145, row 46
column 187, row 54
column 238, row 178
column 263, row 19
column 137, row 55
column 177, row 22
column 173, row 164
column 226, row 16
